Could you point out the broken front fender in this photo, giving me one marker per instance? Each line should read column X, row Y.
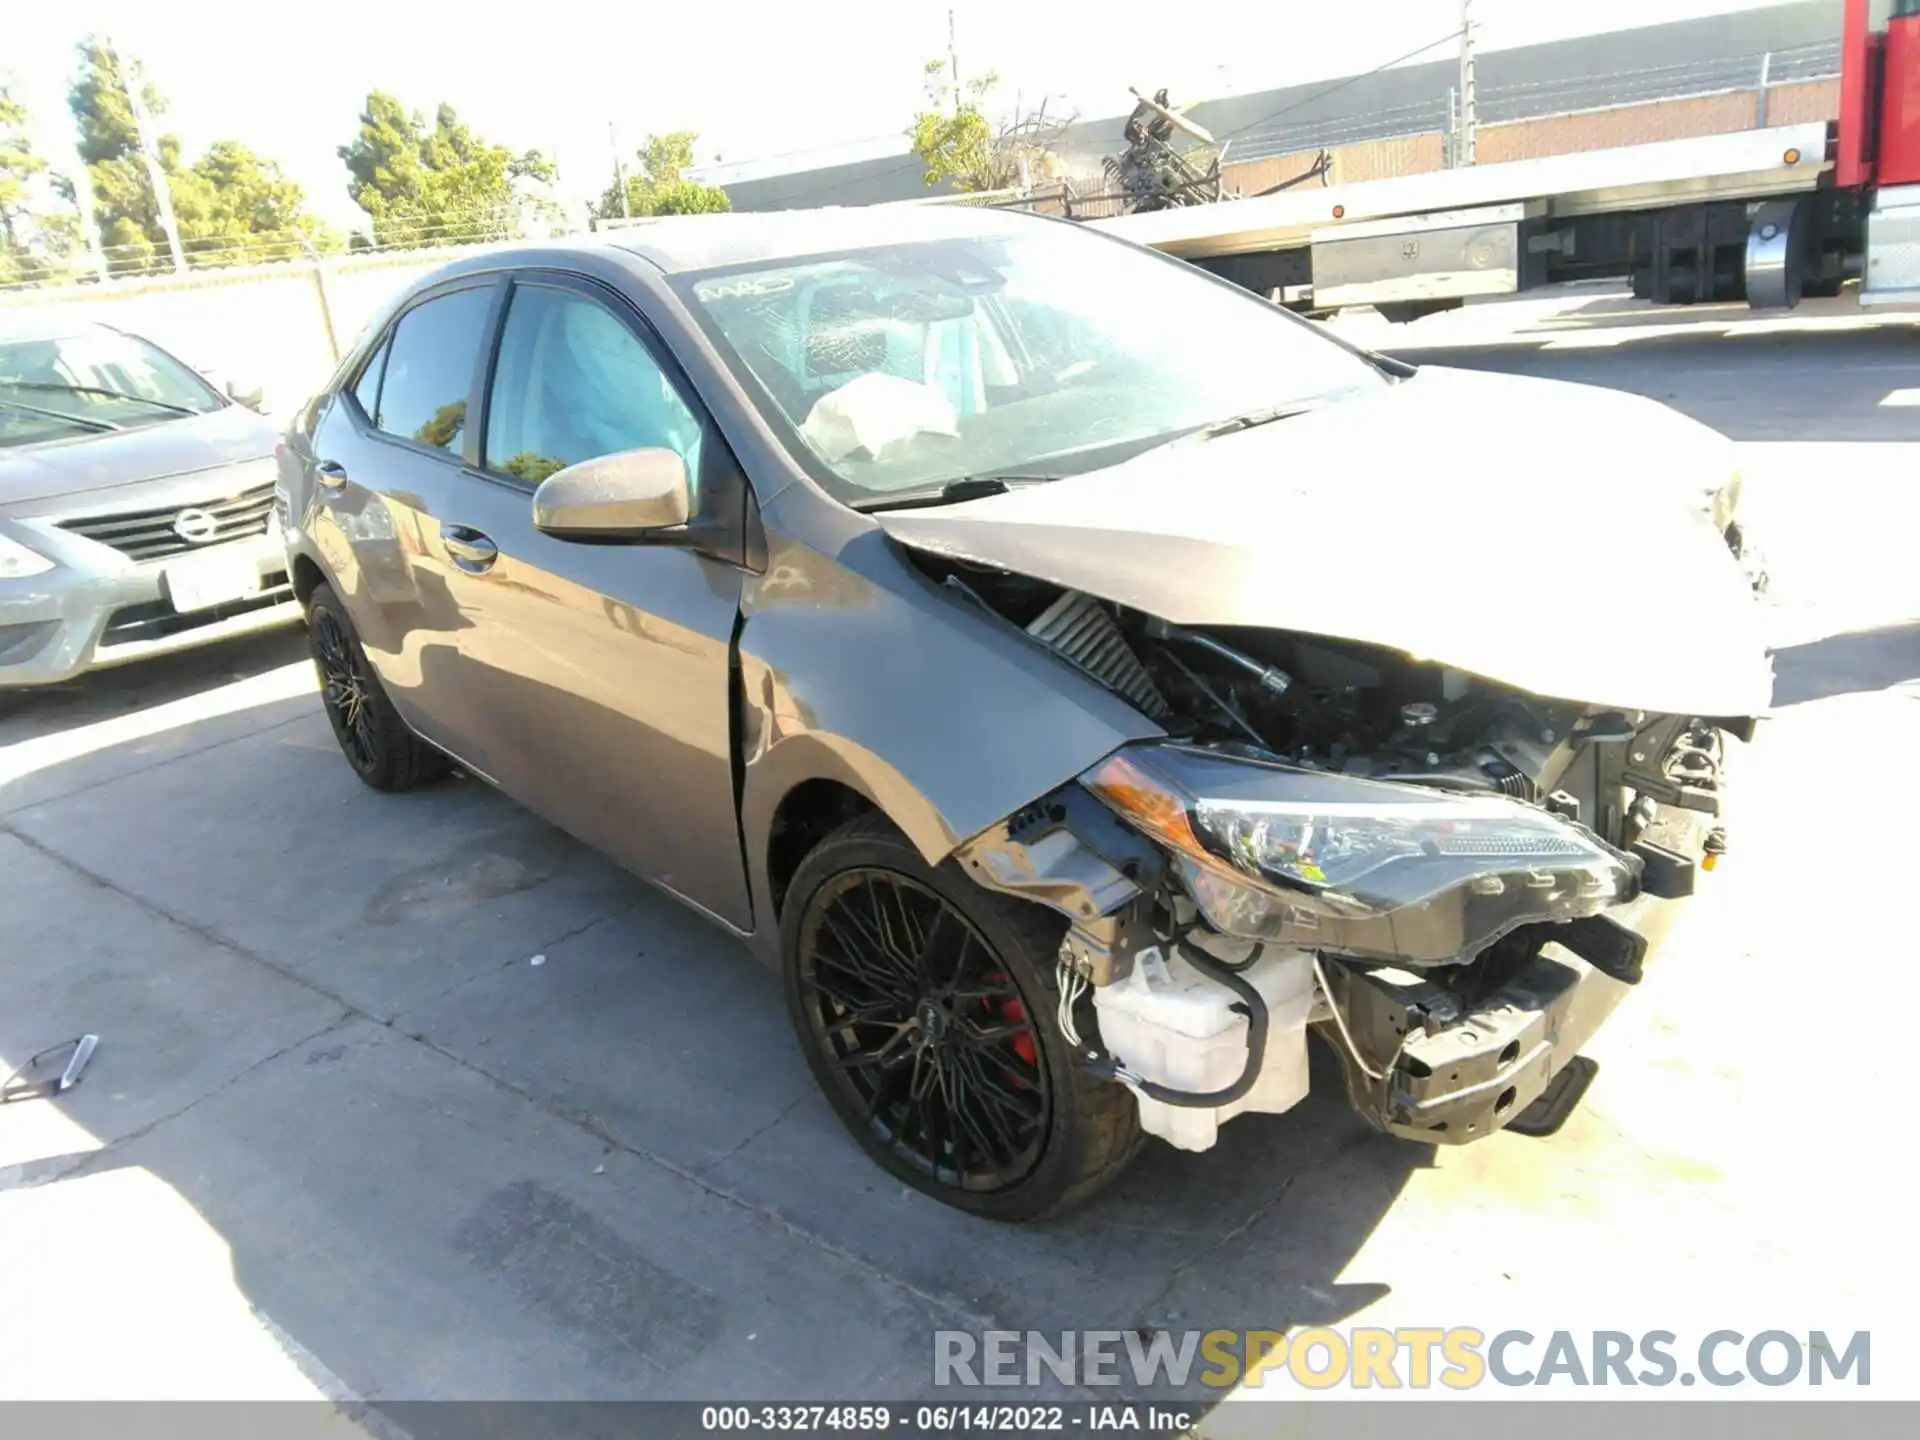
column 854, row 667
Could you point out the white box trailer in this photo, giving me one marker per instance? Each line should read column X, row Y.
column 1766, row 215
column 1414, row 243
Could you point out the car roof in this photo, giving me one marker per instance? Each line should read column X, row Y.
column 679, row 243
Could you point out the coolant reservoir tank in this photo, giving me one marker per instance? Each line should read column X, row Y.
column 1169, row 1023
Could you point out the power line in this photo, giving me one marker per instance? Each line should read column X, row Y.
column 483, row 223
column 151, row 264
column 1339, row 85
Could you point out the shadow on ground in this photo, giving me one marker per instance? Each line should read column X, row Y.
column 1862, row 661
column 25, row 714
column 447, row 1171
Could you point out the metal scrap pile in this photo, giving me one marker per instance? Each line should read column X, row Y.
column 1151, row 173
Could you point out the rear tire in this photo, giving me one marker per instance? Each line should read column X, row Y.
column 376, row 741
column 946, row 1064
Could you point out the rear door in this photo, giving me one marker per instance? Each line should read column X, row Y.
column 599, row 674
column 388, row 458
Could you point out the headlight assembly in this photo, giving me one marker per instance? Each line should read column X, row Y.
column 1329, row 862
column 17, row 562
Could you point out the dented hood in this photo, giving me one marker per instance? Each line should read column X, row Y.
column 1556, row 538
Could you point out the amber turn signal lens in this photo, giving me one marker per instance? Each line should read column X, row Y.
column 1792, row 157
column 1146, row 802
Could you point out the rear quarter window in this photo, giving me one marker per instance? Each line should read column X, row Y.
column 366, row 390
column 429, row 365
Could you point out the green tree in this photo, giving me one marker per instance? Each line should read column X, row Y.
column 436, row 186
column 35, row 238
column 655, row 186
column 958, row 145
column 126, row 215
column 952, row 136
column 18, row 167
column 232, row 206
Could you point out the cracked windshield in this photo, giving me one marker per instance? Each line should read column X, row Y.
column 1004, row 355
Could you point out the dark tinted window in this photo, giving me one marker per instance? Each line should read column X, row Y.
column 429, row 369
column 573, row 382
column 367, row 390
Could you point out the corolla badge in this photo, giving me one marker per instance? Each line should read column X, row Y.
column 195, row 526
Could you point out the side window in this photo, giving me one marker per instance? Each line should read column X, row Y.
column 429, row 368
column 571, row 383
column 367, row 388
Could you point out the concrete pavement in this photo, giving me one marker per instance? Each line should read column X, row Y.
column 343, row 1137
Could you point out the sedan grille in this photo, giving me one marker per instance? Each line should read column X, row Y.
column 156, row 534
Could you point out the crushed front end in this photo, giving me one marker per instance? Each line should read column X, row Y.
column 1451, row 881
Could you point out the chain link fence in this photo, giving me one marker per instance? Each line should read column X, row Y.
column 1438, row 114
column 284, row 318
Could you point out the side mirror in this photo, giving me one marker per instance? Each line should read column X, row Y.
column 633, row 495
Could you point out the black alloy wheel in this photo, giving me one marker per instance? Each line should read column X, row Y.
column 346, row 690
column 376, row 741
column 926, row 1004
column 930, row 1036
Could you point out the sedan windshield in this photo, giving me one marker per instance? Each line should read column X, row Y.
column 1024, row 356
column 91, row 382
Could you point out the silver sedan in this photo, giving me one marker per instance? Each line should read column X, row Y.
column 136, row 506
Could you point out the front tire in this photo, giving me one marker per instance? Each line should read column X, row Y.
column 925, row 1005
column 376, row 741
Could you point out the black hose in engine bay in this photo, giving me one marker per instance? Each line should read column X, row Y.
column 1250, row 1004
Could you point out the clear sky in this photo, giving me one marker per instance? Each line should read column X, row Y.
column 754, row 79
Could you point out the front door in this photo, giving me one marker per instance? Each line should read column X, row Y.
column 599, row 673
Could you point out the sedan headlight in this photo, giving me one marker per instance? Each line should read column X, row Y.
column 1329, row 862
column 17, row 561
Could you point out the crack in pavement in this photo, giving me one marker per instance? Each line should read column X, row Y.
column 1254, row 1217
column 942, row 1304
column 47, row 1170
column 593, row 1127
column 708, row 1167
column 92, row 1160
column 540, row 948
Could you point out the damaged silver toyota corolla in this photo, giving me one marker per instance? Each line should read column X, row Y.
column 1082, row 679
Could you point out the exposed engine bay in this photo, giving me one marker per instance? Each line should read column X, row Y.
column 1363, row 710
column 1409, row 1006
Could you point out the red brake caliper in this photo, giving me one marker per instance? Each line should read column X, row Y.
column 1014, row 1013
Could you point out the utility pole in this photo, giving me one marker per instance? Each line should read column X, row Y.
column 149, row 152
column 619, row 171
column 89, row 226
column 1469, row 88
column 953, row 62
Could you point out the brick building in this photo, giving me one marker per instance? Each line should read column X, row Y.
column 1773, row 65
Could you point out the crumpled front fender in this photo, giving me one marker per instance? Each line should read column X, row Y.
column 855, row 667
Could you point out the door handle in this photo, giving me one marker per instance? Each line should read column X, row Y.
column 471, row 550
column 331, row 476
